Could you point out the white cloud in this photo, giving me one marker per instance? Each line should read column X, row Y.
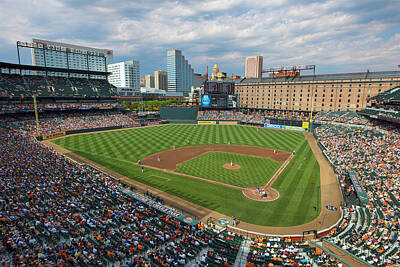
column 335, row 35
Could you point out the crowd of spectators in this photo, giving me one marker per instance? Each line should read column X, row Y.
column 372, row 231
column 57, row 212
column 258, row 117
column 17, row 107
column 284, row 252
column 51, row 123
column 347, row 117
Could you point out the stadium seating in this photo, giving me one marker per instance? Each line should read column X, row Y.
column 390, row 95
column 82, row 87
column 76, row 215
column 14, row 107
column 27, row 85
column 57, row 212
column 13, row 85
column 55, row 123
column 348, row 117
column 281, row 252
column 60, row 86
column 251, row 117
column 369, row 231
column 37, row 85
column 102, row 87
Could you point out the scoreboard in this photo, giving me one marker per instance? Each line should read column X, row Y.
column 222, row 101
column 219, row 95
column 219, row 87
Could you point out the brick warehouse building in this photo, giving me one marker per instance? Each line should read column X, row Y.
column 327, row 92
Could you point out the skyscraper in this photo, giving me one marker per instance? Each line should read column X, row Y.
column 161, row 80
column 149, row 81
column 254, row 66
column 180, row 72
column 62, row 55
column 125, row 74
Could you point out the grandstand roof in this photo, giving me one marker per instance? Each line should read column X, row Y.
column 391, row 95
column 323, row 77
column 5, row 65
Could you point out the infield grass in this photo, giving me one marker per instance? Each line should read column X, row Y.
column 253, row 170
column 298, row 184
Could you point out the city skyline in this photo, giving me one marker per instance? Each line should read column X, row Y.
column 336, row 36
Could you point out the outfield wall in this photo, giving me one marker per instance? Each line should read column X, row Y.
column 54, row 135
column 266, row 125
column 179, row 113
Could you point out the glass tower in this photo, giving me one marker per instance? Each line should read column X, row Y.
column 180, row 72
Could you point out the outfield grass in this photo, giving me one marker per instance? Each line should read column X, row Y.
column 298, row 184
column 253, row 170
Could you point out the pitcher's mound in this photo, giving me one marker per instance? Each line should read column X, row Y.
column 229, row 167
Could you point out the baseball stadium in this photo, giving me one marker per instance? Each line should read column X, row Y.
column 89, row 179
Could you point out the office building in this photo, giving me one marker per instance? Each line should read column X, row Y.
column 253, row 68
column 125, row 74
column 198, row 80
column 180, row 72
column 149, row 81
column 161, row 80
column 326, row 92
column 69, row 56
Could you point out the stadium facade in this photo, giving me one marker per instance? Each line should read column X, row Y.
column 70, row 56
column 326, row 92
column 180, row 72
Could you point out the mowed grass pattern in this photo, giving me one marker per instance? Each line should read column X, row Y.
column 298, row 185
column 253, row 170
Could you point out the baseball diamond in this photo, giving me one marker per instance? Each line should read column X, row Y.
column 298, row 184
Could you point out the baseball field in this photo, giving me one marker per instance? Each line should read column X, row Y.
column 195, row 163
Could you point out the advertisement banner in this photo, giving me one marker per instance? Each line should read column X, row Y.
column 49, row 136
column 151, row 123
column 274, row 126
column 206, row 122
column 227, row 122
column 284, row 127
column 294, row 128
column 305, row 124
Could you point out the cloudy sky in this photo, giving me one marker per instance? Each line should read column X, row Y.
column 336, row 36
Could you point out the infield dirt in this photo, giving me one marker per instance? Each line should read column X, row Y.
column 169, row 159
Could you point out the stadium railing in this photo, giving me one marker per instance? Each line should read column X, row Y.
column 332, row 254
column 348, row 253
